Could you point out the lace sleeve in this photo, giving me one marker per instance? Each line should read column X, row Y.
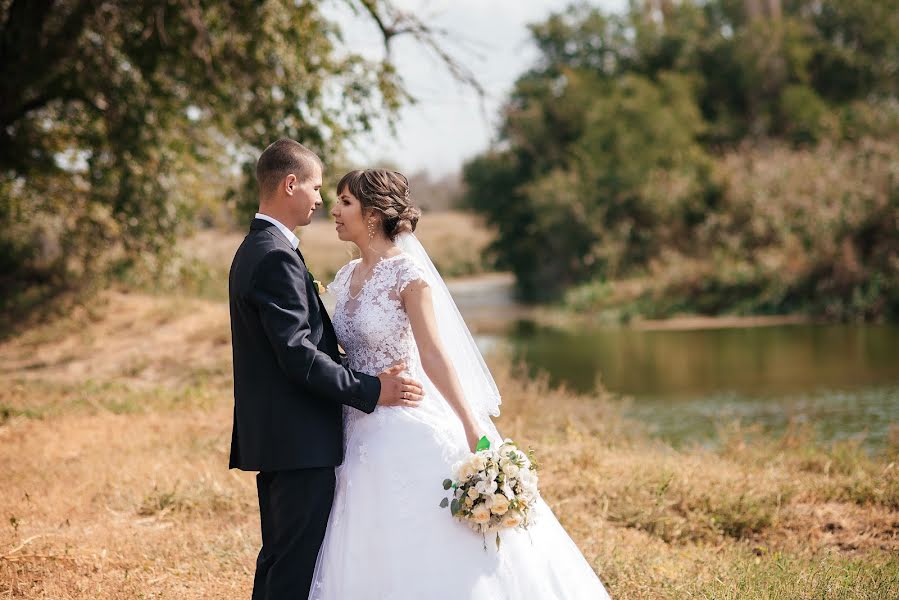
column 408, row 272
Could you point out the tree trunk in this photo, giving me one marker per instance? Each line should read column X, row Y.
column 753, row 9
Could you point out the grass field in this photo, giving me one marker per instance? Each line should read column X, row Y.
column 114, row 431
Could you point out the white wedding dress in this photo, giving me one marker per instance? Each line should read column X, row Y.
column 387, row 537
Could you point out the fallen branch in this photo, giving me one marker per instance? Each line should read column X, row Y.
column 22, row 545
column 23, row 557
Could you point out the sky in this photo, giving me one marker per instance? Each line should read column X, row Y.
column 448, row 124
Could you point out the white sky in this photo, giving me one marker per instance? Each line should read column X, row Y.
column 446, row 126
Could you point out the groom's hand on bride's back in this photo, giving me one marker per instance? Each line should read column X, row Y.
column 397, row 390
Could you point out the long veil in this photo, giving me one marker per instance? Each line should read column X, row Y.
column 477, row 383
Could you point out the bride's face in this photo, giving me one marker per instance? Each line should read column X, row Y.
column 347, row 213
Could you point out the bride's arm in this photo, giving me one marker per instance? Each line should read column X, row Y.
column 420, row 308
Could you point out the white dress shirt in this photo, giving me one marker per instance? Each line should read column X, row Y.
column 288, row 234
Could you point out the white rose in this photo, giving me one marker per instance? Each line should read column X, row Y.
column 478, row 462
column 512, row 519
column 473, row 493
column 465, row 471
column 499, row 504
column 512, row 471
column 480, row 514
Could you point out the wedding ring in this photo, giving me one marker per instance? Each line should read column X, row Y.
column 405, row 396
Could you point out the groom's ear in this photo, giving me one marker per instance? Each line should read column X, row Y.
column 290, row 184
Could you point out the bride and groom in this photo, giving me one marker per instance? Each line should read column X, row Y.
column 351, row 450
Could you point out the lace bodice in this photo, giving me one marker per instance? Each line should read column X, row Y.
column 372, row 327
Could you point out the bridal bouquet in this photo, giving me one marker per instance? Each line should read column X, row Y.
column 493, row 489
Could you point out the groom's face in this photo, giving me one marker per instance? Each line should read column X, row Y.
column 306, row 197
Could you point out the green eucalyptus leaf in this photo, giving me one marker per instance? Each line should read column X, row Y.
column 447, row 484
column 444, row 503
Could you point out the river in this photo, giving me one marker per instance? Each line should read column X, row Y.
column 841, row 379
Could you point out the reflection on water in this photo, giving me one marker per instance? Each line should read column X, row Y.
column 843, row 379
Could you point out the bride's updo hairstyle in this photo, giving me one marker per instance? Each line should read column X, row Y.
column 384, row 191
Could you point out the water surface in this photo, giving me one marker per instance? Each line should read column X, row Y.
column 841, row 379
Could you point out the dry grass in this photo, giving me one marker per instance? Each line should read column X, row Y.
column 114, row 432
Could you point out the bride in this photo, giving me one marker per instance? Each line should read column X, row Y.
column 387, row 537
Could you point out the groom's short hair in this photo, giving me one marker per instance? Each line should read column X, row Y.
column 282, row 158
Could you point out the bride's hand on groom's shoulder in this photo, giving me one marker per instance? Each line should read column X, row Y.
column 398, row 390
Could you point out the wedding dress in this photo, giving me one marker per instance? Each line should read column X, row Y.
column 387, row 537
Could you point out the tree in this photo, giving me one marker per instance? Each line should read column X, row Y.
column 115, row 116
column 607, row 158
column 624, row 179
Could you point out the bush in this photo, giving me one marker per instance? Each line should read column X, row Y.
column 805, row 118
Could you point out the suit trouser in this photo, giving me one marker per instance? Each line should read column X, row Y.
column 294, row 508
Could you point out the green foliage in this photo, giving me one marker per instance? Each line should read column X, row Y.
column 804, row 115
column 856, row 55
column 118, row 118
column 568, row 206
column 617, row 158
column 640, row 170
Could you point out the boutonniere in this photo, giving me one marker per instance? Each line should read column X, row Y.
column 319, row 286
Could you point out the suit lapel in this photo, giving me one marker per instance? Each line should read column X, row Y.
column 310, row 281
column 260, row 224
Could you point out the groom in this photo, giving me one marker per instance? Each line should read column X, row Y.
column 289, row 381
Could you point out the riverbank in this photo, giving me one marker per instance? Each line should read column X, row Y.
column 114, row 432
column 488, row 302
column 694, row 322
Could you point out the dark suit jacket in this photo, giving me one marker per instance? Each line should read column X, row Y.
column 289, row 381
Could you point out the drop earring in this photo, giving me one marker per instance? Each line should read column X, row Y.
column 371, row 229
